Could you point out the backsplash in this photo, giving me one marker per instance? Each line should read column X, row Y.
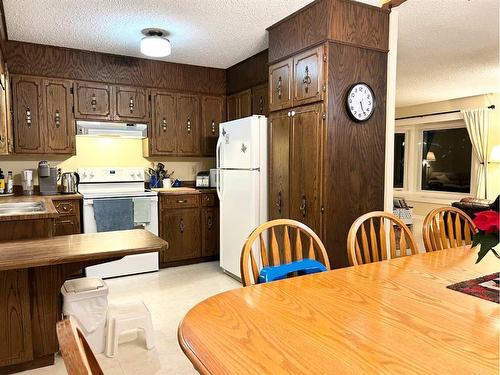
column 106, row 152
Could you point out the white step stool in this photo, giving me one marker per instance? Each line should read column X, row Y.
column 126, row 317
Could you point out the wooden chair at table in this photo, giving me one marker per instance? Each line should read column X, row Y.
column 447, row 227
column 312, row 248
column 367, row 245
column 78, row 357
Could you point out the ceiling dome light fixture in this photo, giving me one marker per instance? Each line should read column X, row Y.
column 154, row 43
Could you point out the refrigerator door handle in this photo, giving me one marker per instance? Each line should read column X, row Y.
column 217, row 160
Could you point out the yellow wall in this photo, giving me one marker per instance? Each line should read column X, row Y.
column 107, row 152
column 479, row 101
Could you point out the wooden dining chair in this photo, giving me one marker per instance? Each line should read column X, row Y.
column 78, row 357
column 287, row 233
column 367, row 238
column 447, row 227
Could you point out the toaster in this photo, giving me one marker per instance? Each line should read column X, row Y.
column 203, row 179
column 213, row 178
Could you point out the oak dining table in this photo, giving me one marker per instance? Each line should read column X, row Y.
column 394, row 316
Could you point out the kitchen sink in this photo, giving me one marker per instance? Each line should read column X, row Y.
column 21, row 208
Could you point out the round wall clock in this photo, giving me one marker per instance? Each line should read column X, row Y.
column 360, row 102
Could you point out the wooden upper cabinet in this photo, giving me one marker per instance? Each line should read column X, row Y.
column 308, row 76
column 93, row 101
column 233, row 110
column 131, row 104
column 28, row 118
column 239, row 105
column 163, row 125
column 58, row 117
column 188, row 124
column 305, row 165
column 245, row 103
column 280, row 92
column 260, row 100
column 279, row 161
column 212, row 114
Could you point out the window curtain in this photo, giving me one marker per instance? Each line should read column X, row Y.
column 478, row 125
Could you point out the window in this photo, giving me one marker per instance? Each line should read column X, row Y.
column 433, row 158
column 399, row 159
column 446, row 160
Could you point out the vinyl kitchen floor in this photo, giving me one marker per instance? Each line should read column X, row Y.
column 169, row 294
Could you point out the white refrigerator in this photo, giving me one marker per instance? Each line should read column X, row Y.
column 241, row 185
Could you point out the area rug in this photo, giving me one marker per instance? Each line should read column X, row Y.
column 485, row 287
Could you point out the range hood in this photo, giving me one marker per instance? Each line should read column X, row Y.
column 111, row 129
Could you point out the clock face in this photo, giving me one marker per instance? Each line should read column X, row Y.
column 360, row 102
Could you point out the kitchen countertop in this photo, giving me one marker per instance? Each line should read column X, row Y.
column 78, row 248
column 49, row 213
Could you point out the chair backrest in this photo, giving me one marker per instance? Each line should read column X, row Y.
column 447, row 227
column 368, row 243
column 305, row 243
column 78, row 357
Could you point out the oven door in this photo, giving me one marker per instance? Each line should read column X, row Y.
column 129, row 265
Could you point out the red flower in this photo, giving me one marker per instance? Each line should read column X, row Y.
column 487, row 221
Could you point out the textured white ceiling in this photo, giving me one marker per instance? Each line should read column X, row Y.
column 216, row 33
column 447, row 49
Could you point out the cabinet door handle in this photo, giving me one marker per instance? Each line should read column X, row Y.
column 188, row 126
column 57, row 119
column 213, row 127
column 131, row 104
column 261, row 105
column 307, row 79
column 28, row 117
column 182, row 201
column 93, row 102
column 65, row 222
column 303, row 206
column 181, row 226
column 209, row 222
column 278, row 202
column 278, row 88
column 164, row 124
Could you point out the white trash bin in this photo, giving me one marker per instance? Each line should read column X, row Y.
column 86, row 299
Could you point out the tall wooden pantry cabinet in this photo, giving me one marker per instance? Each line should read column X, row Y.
column 325, row 169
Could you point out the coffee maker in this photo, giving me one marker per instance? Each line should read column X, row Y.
column 47, row 178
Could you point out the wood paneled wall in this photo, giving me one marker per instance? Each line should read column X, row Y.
column 344, row 21
column 354, row 152
column 50, row 61
column 247, row 73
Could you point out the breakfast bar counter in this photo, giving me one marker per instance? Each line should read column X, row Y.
column 32, row 273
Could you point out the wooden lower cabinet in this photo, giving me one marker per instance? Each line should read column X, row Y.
column 15, row 318
column 295, row 164
column 305, row 165
column 69, row 221
column 190, row 225
column 181, row 229
column 279, row 165
column 210, row 231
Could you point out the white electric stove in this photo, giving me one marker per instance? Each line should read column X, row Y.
column 118, row 183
